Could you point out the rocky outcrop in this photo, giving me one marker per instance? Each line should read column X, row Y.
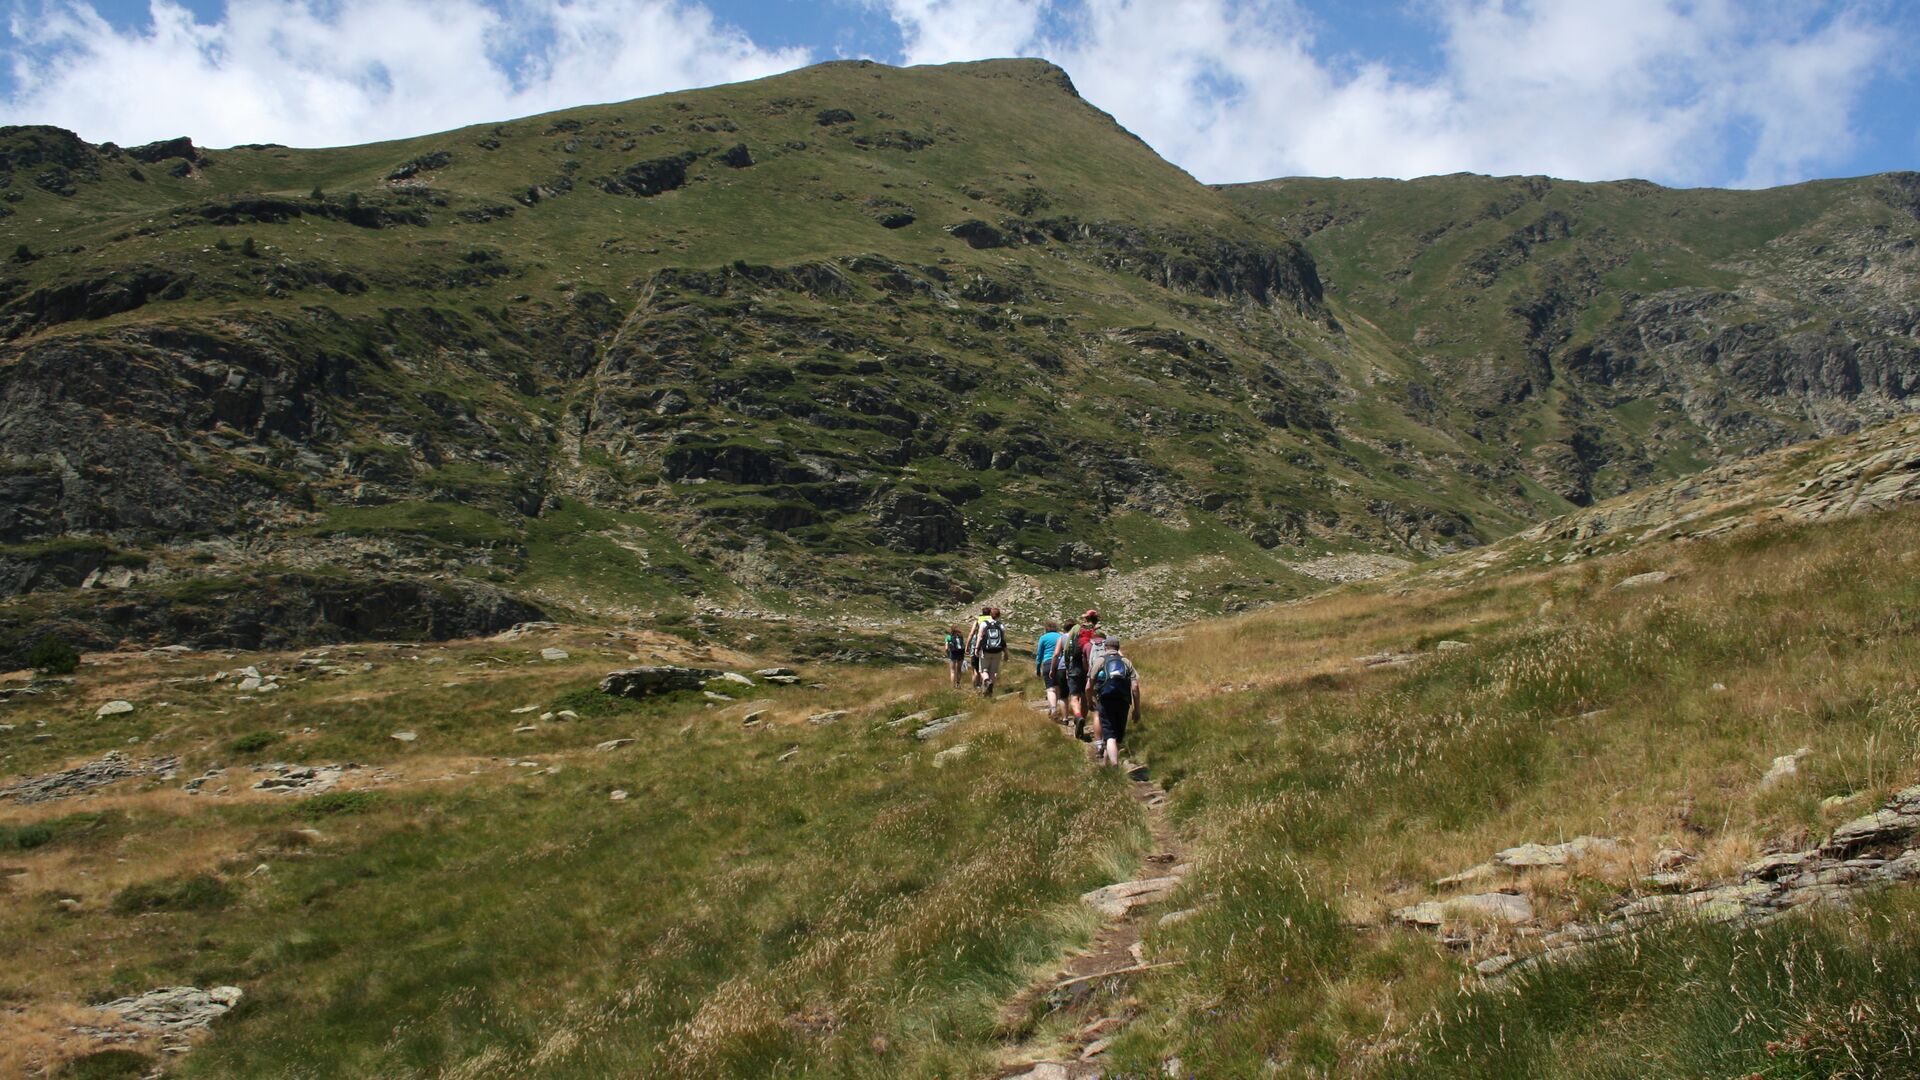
column 1869, row 852
column 914, row 521
column 267, row 612
column 111, row 769
column 641, row 682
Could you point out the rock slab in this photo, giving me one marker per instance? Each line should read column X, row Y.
column 641, row 682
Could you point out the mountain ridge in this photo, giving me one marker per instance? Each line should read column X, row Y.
column 856, row 339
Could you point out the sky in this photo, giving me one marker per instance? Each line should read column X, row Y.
column 1724, row 93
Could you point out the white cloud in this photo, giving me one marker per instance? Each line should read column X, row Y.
column 1684, row 91
column 315, row 72
column 938, row 31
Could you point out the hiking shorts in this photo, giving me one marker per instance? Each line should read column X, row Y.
column 990, row 662
column 1113, row 716
column 1075, row 682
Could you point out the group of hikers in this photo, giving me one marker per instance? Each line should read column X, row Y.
column 1082, row 667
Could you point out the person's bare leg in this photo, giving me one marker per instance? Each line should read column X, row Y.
column 1113, row 752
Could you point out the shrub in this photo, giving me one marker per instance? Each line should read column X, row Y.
column 249, row 248
column 112, row 1064
column 339, row 802
column 24, row 837
column 197, row 892
column 52, row 656
column 23, row 254
column 254, row 742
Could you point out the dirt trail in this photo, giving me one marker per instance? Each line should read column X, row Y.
column 1090, row 986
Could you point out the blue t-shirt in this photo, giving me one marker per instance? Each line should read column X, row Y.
column 1043, row 649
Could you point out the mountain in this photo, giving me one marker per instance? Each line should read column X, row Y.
column 1618, row 333
column 857, row 341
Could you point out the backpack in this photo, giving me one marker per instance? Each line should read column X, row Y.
column 993, row 637
column 1074, row 663
column 1116, row 676
column 1097, row 655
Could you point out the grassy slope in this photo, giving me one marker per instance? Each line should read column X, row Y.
column 1327, row 796
column 850, row 909
column 856, row 911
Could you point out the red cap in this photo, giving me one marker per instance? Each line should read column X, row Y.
column 1091, row 616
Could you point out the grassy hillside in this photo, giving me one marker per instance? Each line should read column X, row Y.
column 860, row 341
column 799, row 893
column 1622, row 332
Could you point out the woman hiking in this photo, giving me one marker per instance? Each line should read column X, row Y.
column 1043, row 651
column 956, row 653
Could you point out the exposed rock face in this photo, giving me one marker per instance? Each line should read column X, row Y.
column 80, row 779
column 909, row 520
column 276, row 612
column 175, row 1009
column 642, row 682
column 1867, row 852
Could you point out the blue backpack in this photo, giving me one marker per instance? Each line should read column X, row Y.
column 1115, row 675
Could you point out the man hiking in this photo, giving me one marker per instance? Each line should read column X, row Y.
column 1116, row 687
column 973, row 642
column 1073, row 667
column 991, row 640
column 1043, row 651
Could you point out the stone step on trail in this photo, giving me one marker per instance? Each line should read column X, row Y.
column 1089, row 981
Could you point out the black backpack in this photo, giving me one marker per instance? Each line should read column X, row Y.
column 993, row 637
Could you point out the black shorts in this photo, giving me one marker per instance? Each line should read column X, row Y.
column 1076, row 683
column 1113, row 716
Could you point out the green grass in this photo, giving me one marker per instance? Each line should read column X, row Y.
column 1338, row 793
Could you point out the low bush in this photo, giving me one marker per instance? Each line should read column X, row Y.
column 52, row 656
column 254, row 742
column 335, row 803
column 195, row 892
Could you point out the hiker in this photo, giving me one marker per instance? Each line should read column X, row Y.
column 1094, row 653
column 1074, row 669
column 1116, row 687
column 956, row 653
column 991, row 641
column 973, row 641
column 1057, row 670
column 1043, row 651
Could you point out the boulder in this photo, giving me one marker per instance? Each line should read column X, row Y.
column 613, row 744
column 1116, row 901
column 640, row 682
column 1506, row 908
column 175, row 1008
column 553, row 654
column 1785, row 766
column 1469, row 876
column 827, row 717
column 937, row 726
column 951, row 754
column 1527, row 856
column 113, row 708
column 403, row 736
column 1641, row 581
column 736, row 679
column 776, row 673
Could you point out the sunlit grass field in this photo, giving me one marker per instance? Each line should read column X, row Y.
column 788, row 898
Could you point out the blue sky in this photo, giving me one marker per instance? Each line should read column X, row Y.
column 1687, row 92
